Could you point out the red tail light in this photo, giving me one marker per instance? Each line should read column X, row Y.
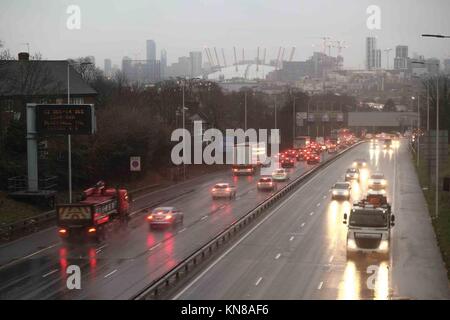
column 150, row 217
column 92, row 230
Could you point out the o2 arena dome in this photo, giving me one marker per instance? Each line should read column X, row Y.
column 248, row 71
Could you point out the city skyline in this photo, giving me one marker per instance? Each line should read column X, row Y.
column 111, row 30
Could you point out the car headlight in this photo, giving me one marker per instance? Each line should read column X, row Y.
column 383, row 182
column 351, row 244
column 356, row 175
column 354, row 164
column 384, row 245
column 345, row 193
column 335, row 193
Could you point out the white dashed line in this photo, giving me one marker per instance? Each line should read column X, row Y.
column 258, row 281
column 111, row 273
column 324, row 197
column 331, row 259
column 51, row 272
column 182, row 230
column 303, row 224
column 320, row 285
column 203, row 218
column 278, row 256
column 318, row 205
column 311, row 213
column 291, row 238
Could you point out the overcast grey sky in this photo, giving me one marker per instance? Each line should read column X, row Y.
column 115, row 28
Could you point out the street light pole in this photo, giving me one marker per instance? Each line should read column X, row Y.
column 293, row 122
column 418, row 129
column 437, row 148
column 245, row 112
column 184, row 134
column 69, row 138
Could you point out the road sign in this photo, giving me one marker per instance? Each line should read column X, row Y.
column 325, row 117
column 135, row 163
column 65, row 119
column 339, row 117
column 311, row 117
column 300, row 116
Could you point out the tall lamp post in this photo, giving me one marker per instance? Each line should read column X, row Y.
column 437, row 136
column 418, row 127
column 69, row 137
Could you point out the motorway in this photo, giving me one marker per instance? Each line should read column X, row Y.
column 298, row 250
column 34, row 267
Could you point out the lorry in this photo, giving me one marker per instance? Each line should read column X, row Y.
column 245, row 159
column 88, row 218
column 369, row 227
column 301, row 142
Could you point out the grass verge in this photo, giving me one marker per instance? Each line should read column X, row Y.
column 442, row 223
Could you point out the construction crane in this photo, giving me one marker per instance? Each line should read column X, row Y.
column 278, row 57
column 243, row 55
column 208, row 57
column 292, row 54
column 339, row 45
column 387, row 51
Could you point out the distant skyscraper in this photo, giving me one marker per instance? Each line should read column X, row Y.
column 433, row 66
column 196, row 63
column 163, row 63
column 151, row 50
column 108, row 68
column 373, row 55
column 401, row 58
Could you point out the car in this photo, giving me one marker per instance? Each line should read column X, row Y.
column 313, row 158
column 360, row 163
column 165, row 216
column 332, row 149
column 223, row 190
column 341, row 191
column 352, row 174
column 301, row 155
column 266, row 183
column 280, row 175
column 287, row 162
column 377, row 181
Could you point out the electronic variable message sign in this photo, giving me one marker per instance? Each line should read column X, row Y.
column 63, row 119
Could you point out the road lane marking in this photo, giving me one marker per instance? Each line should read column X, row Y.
column 203, row 218
column 320, row 285
column 111, row 273
column 182, row 230
column 277, row 256
column 258, row 281
column 324, row 196
column 311, row 213
column 331, row 259
column 245, row 236
column 291, row 238
column 154, row 247
column 318, row 205
column 303, row 224
column 29, row 256
column 49, row 273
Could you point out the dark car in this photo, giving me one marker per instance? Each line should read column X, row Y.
column 313, row 158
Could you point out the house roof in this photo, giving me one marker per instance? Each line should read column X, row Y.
column 40, row 78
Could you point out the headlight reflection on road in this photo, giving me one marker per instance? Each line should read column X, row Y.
column 382, row 282
column 349, row 288
column 356, row 191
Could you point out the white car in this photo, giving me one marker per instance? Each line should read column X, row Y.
column 280, row 175
column 377, row 181
column 341, row 191
column 165, row 216
column 266, row 183
column 223, row 190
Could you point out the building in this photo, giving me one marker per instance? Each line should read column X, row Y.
column 401, row 58
column 373, row 55
column 163, row 64
column 38, row 81
column 195, row 63
column 141, row 71
column 433, row 66
column 182, row 68
column 151, row 50
column 108, row 68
